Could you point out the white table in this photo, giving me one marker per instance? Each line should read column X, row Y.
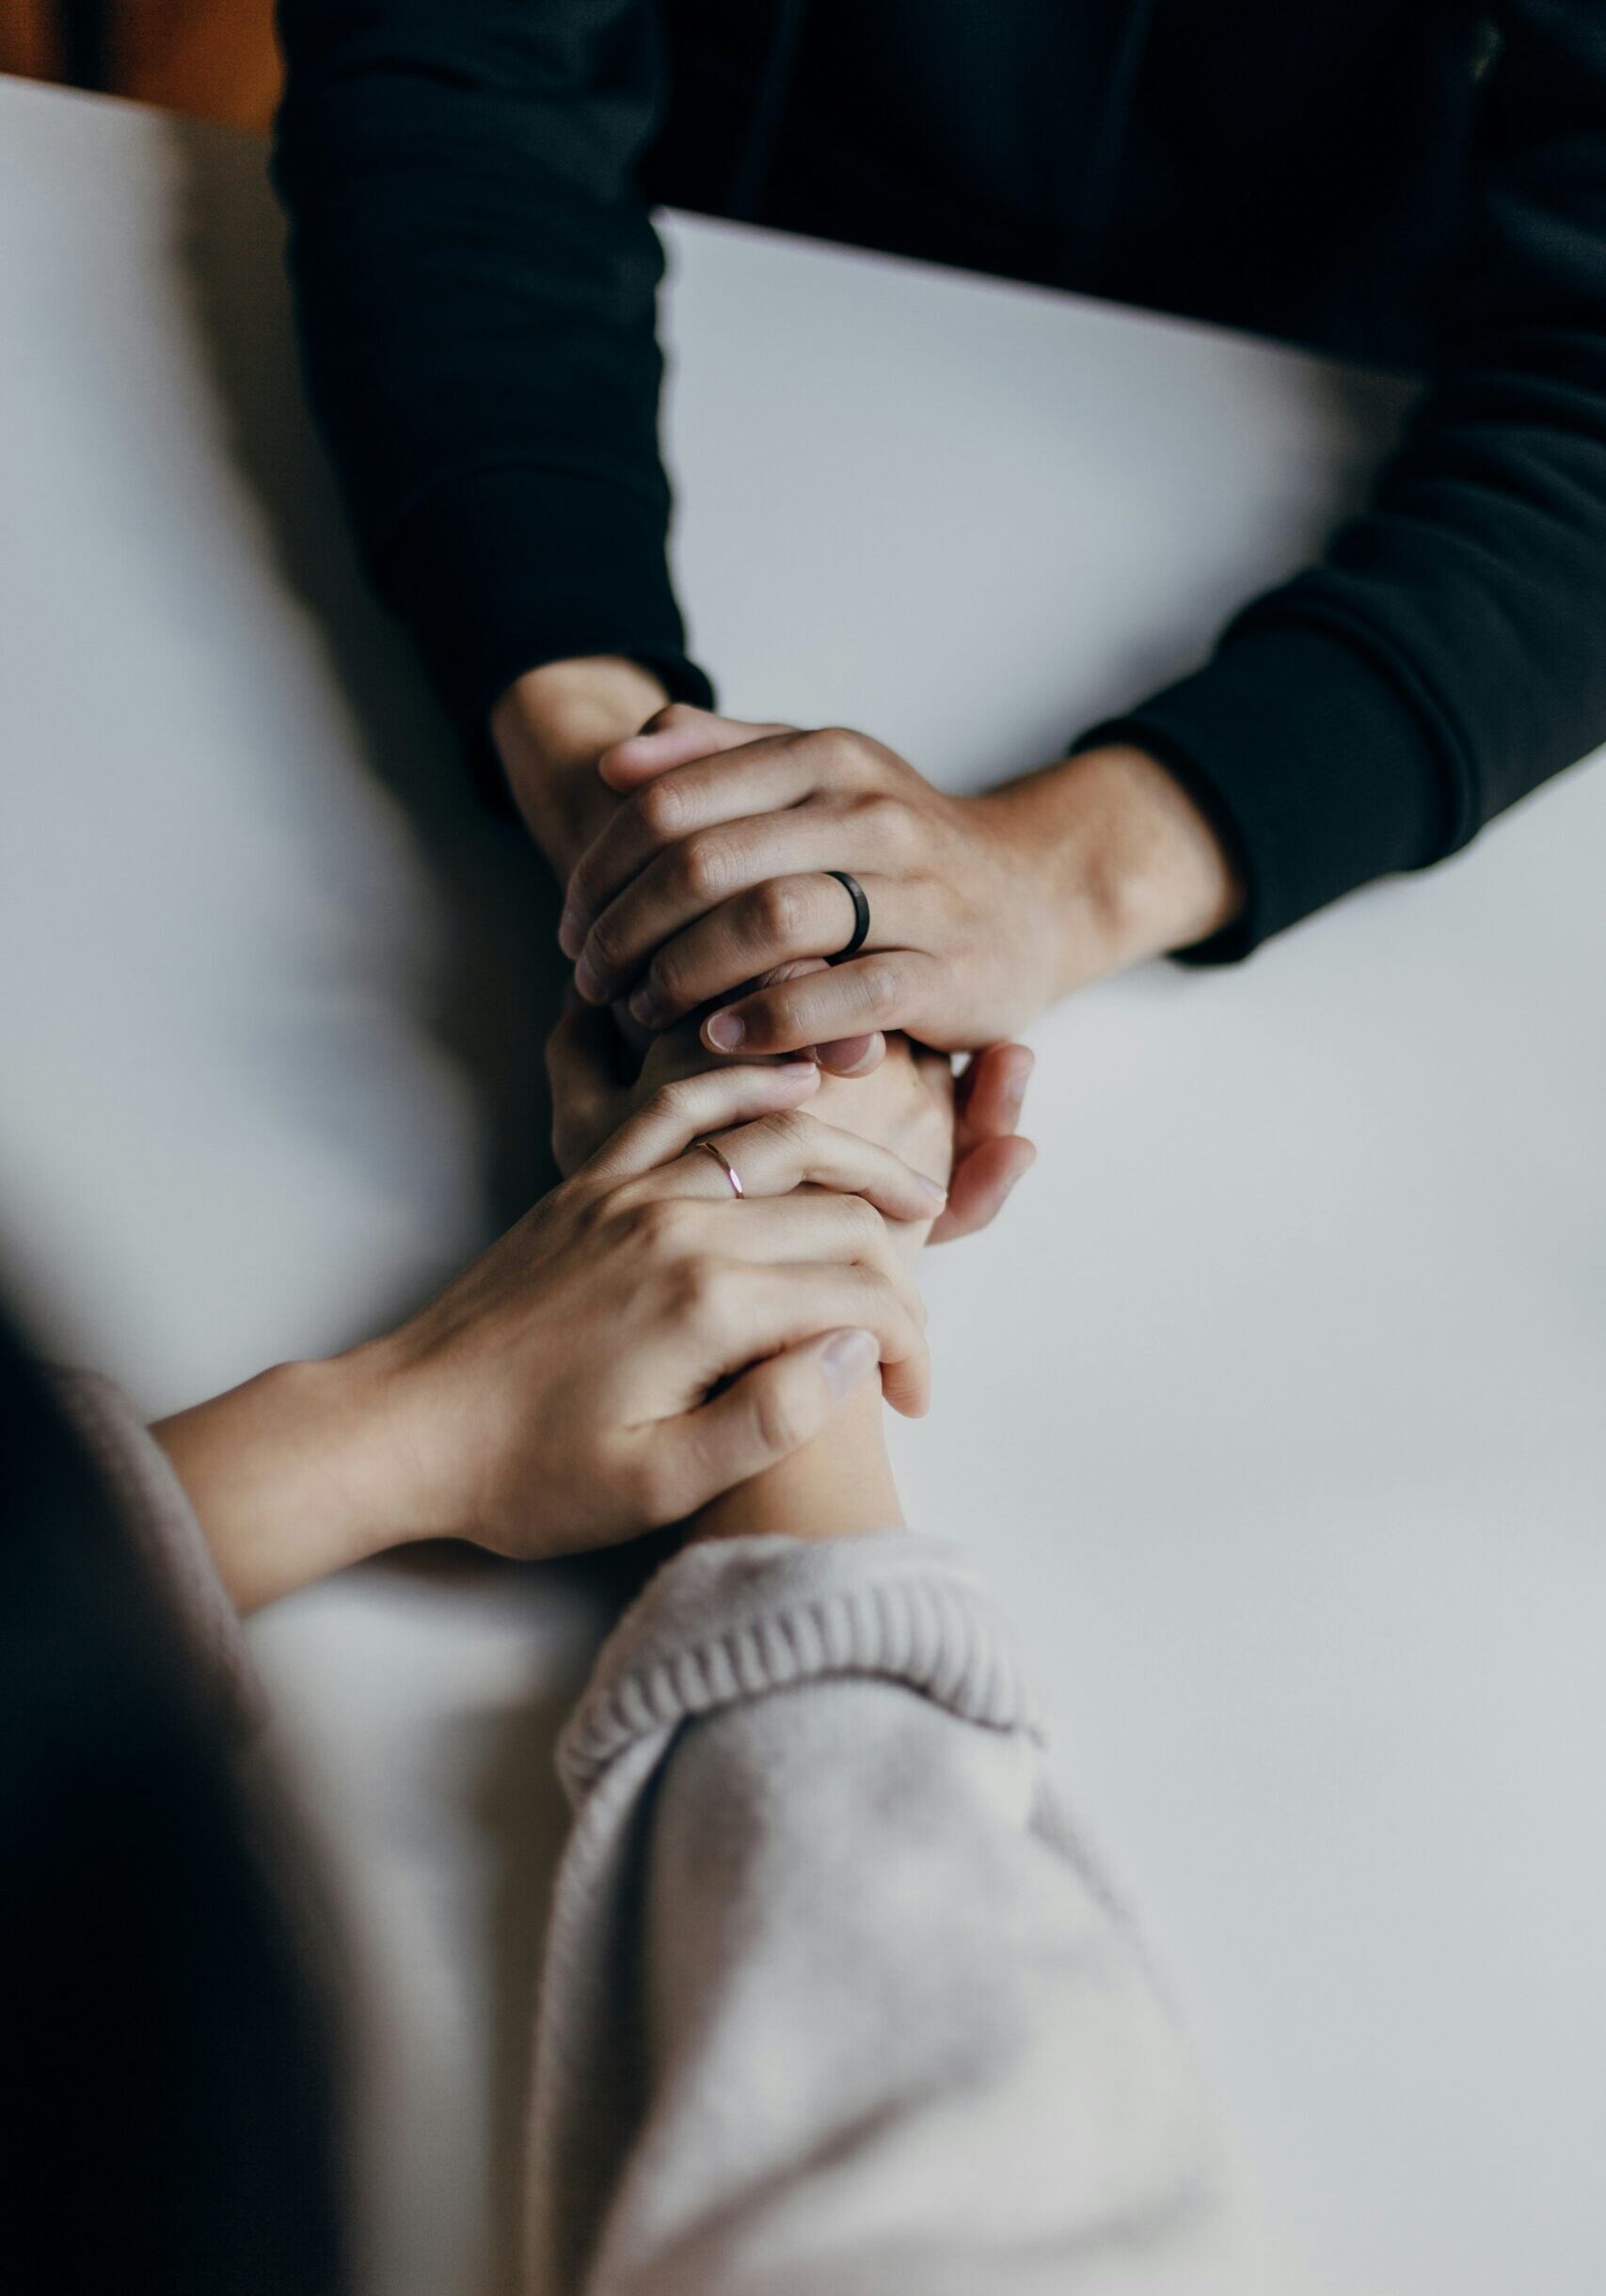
column 1274, row 1406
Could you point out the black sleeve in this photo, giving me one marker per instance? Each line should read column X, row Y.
column 475, row 275
column 1449, row 653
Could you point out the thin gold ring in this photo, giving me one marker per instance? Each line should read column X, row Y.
column 725, row 1166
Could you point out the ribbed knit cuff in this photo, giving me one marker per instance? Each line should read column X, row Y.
column 1317, row 764
column 735, row 1618
column 503, row 570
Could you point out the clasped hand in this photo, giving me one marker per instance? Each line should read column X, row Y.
column 638, row 1344
column 711, row 874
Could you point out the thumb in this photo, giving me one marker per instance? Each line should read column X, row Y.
column 673, row 737
column 982, row 1177
column 776, row 1408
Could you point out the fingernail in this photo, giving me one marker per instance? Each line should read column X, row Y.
column 846, row 1358
column 795, row 1070
column 933, row 1187
column 1015, row 1090
column 571, row 938
column 725, row 1031
column 588, row 980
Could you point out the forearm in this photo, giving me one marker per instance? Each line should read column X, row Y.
column 292, row 1474
column 550, row 728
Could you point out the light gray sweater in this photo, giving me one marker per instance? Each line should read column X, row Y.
column 835, row 2002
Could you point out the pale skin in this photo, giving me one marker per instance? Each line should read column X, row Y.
column 640, row 1344
column 842, row 1482
column 644, row 1348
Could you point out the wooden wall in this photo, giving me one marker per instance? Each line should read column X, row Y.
column 212, row 58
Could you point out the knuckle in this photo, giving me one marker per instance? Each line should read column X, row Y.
column 840, row 747
column 640, row 1223
column 876, row 981
column 792, row 1134
column 670, row 980
column 673, row 1102
column 594, row 1207
column 777, row 912
column 660, row 808
column 634, row 1223
column 702, row 869
column 671, row 1226
column 606, row 940
column 890, row 824
column 783, row 1423
column 682, row 1103
column 703, row 1288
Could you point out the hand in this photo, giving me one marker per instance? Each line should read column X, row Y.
column 711, row 875
column 907, row 1104
column 913, row 1102
column 637, row 1343
column 599, row 1083
column 842, row 1483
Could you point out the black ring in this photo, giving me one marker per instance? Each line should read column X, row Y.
column 855, row 893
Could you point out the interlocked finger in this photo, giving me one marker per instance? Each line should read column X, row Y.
column 814, row 1227
column 886, row 991
column 704, row 870
column 763, row 775
column 769, row 925
column 789, row 1149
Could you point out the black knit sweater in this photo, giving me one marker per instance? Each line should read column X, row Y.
column 1416, row 183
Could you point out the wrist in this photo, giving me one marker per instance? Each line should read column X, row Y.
column 838, row 1486
column 290, row 1474
column 550, row 728
column 1128, row 866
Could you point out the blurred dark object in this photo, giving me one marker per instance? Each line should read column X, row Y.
column 214, row 59
column 166, row 2117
